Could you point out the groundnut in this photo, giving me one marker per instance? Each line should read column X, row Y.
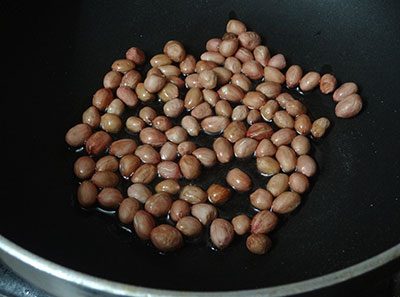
column 295, row 108
column 135, row 124
column 277, row 184
column 105, row 179
column 91, row 116
column 102, row 98
column 265, row 148
column 210, row 96
column 261, row 199
column 274, row 75
column 176, row 80
column 223, row 108
column 263, row 222
column 175, row 51
column 122, row 147
column 245, row 147
column 201, row 111
column 84, row 167
column 160, row 60
column 158, row 204
column 349, row 107
column 169, row 151
column 218, row 194
column 152, row 136
column 269, row 109
column 168, row 92
column 328, row 83
column 166, row 238
column 212, row 45
column 127, row 95
column 242, row 81
column 128, row 165
column 154, row 71
column 170, row 186
column 179, row 209
column 144, row 174
column 228, row 47
column 143, row 223
column 238, row 180
column 173, row 108
column 107, row 163
column 162, row 123
column 193, row 98
column 258, row 244
column 223, row 75
column 87, row 193
column 193, row 194
column 204, row 212
column 283, row 136
column 262, row 55
column 253, row 117
column 233, row 65
column 169, row 170
column 286, row 202
column 283, row 99
column 303, row 124
column 127, row 210
column 147, row 154
column 283, row 120
column 116, row 107
column 190, row 167
column 268, row 166
column 98, row 142
column 110, row 198
column 136, row 55
column 278, row 61
column 231, row 93
column 131, row 79
column 259, row 131
column 190, row 124
column 186, row 148
column 139, row 191
column 154, row 83
column 241, row 224
column 254, row 100
column 253, row 69
column 344, row 90
column 143, row 94
column 208, row 79
column 223, row 150
column 112, row 79
column 176, row 134
column 122, row 65
column 301, row 145
column 214, row 57
column 234, row 131
column 147, row 114
column 188, row 65
column 207, row 157
column 286, row 158
column 306, row 165
column 214, row 124
column 169, row 70
column 221, row 233
column 235, row 27
column 249, row 40
column 319, row 127
column 110, row 123
column 298, row 182
column 244, row 55
column 189, row 226
column 309, row 81
column 239, row 113
column 192, row 81
column 269, row 88
column 293, row 76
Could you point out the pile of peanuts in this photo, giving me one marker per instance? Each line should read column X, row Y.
column 235, row 92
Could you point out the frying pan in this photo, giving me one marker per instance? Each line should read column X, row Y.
column 56, row 56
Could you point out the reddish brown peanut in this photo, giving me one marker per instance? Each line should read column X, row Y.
column 122, row 147
column 327, row 84
column 238, row 180
column 218, row 194
column 212, row 45
column 102, row 98
column 152, row 136
column 278, row 184
column 201, row 111
column 168, row 92
column 170, row 186
column 91, row 116
column 253, row 69
column 269, row 88
column 286, row 158
column 231, row 93
column 136, row 55
column 139, row 191
column 169, row 151
column 235, row 131
column 186, row 148
column 286, row 202
column 175, row 51
column 221, row 233
column 131, row 79
column 84, row 167
column 254, row 100
column 244, row 55
column 206, row 156
column 277, row 61
column 160, row 60
column 259, row 131
column 127, row 210
column 298, row 182
column 116, row 107
column 179, row 209
column 190, row 167
column 169, row 170
column 228, row 47
column 105, row 179
column 209, row 60
column 154, row 83
column 261, row 199
column 127, row 95
column 233, row 65
column 110, row 198
column 158, row 204
column 319, row 127
column 87, row 193
column 166, row 238
column 176, row 134
column 193, row 97
column 208, row 79
column 173, row 108
column 306, row 165
column 253, row 117
column 258, row 244
column 245, row 147
column 143, row 94
column 345, row 90
column 303, row 124
column 293, row 76
column 263, row 222
column 214, row 124
column 349, row 106
column 223, row 108
column 193, row 194
column 242, row 81
column 262, row 55
column 147, row 154
column 283, row 136
column 239, row 113
column 128, row 165
column 112, row 79
column 301, row 145
column 269, row 109
column 274, row 75
column 135, row 124
column 241, row 224
column 161, row 123
column 110, row 123
column 223, row 149
column 98, row 142
column 204, row 212
column 250, row 40
column 236, row 27
column 78, row 134
column 144, row 174
column 122, row 65
column 282, row 119
column 189, row 226
column 143, row 223
column 268, row 166
column 190, row 124
column 265, row 148
column 309, row 81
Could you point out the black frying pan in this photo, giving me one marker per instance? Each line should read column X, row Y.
column 55, row 60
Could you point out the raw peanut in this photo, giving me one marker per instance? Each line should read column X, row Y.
column 303, row 124
column 110, row 123
column 190, row 167
column 139, row 191
column 122, row 147
column 269, row 109
column 176, row 134
column 169, row 170
column 204, row 212
column 87, row 193
column 254, row 100
column 215, row 57
column 263, row 222
column 223, row 75
column 105, row 179
column 176, row 80
column 223, row 149
column 127, row 210
column 250, row 40
column 147, row 114
column 231, row 93
column 134, row 124
column 179, row 210
column 233, row 65
column 162, row 123
column 214, row 124
column 265, row 148
column 169, row 151
column 349, row 106
column 295, row 108
column 144, row 174
column 131, row 79
column 228, row 47
column 188, row 65
column 98, row 142
column 169, row 70
column 277, row 184
column 244, row 55
column 274, row 75
column 212, row 45
column 286, row 158
column 345, row 90
column 269, row 88
column 306, row 165
column 148, row 154
column 193, row 98
column 107, row 163
column 254, row 116
column 158, row 204
column 173, row 108
column 319, row 127
column 309, row 81
column 262, row 55
column 154, row 83
column 238, row 180
column 258, row 244
column 277, row 61
column 283, row 136
column 253, row 69
column 223, row 108
column 208, row 79
column 283, row 120
column 234, row 131
column 301, row 145
column 286, row 202
column 166, row 238
column 192, row 81
column 245, row 147
column 143, row 94
column 283, row 99
column 154, row 71
column 242, row 81
column 143, row 223
column 261, row 199
column 218, row 194
column 207, row 157
column 189, row 226
column 136, row 55
column 127, row 95
column 210, row 96
column 122, row 65
column 201, row 111
column 193, row 194
column 186, row 148
column 117, row 107
column 268, row 166
column 91, row 116
column 110, row 198
column 152, row 136
column 327, row 84
column 206, row 65
column 128, row 165
column 236, row 27
column 84, row 167
column 170, row 186
column 191, row 125
column 221, row 233
column 239, row 113
column 293, row 76
column 259, row 131
column 241, row 224
column 160, row 60
column 112, row 79
column 168, row 92
column 175, row 51
column 298, row 182
column 102, row 98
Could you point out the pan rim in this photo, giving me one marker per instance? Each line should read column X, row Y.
column 73, row 277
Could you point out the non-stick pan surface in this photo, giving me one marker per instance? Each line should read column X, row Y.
column 55, row 60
